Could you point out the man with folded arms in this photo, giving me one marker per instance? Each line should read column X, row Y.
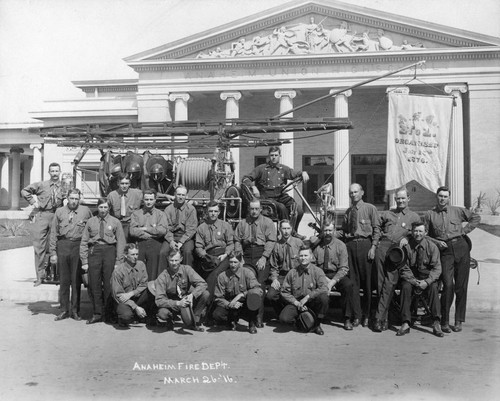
column 331, row 256
column 420, row 275
column 129, row 283
column 172, row 292
column 305, row 287
column 65, row 237
column 148, row 227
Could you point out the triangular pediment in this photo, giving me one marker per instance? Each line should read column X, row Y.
column 311, row 28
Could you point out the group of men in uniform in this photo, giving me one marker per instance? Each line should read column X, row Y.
column 147, row 264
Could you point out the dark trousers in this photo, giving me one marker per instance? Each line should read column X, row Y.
column 360, row 272
column 431, row 292
column 251, row 254
column 275, row 298
column 346, row 288
column 68, row 265
column 284, row 203
column 223, row 315
column 101, row 265
column 455, row 261
column 186, row 251
column 319, row 305
column 145, row 300
column 40, row 233
column 199, row 308
column 211, row 276
column 379, row 261
column 149, row 253
column 126, row 230
column 387, row 280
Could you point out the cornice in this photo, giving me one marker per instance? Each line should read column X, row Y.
column 483, row 53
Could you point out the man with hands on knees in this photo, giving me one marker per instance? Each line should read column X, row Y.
column 305, row 287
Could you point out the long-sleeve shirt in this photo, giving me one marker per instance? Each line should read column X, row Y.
column 429, row 269
column 133, row 199
column 396, row 224
column 212, row 235
column 126, row 278
column 49, row 194
column 368, row 223
column 153, row 220
column 182, row 222
column 265, row 234
column 446, row 224
column 230, row 284
column 270, row 179
column 285, row 256
column 68, row 224
column 172, row 287
column 303, row 281
column 113, row 235
column 338, row 261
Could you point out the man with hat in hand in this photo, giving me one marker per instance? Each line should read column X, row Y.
column 237, row 293
column 172, row 293
column 45, row 197
column 419, row 275
column 395, row 227
column 305, row 287
column 445, row 226
column 331, row 256
column 65, row 236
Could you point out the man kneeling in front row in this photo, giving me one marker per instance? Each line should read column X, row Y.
column 420, row 275
column 129, row 283
column 305, row 287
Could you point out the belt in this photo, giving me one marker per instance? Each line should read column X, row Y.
column 357, row 238
column 455, row 239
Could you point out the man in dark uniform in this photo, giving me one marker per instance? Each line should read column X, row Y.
column 182, row 222
column 45, row 197
column 420, row 274
column 124, row 201
column 177, row 287
column 285, row 256
column 148, row 227
column 101, row 248
column 361, row 232
column 255, row 237
column 331, row 256
column 445, row 226
column 395, row 227
column 305, row 287
column 65, row 236
column 233, row 286
column 267, row 181
column 129, row 286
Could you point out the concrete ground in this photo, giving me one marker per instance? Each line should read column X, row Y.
column 41, row 359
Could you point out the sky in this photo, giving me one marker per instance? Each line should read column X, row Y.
column 46, row 44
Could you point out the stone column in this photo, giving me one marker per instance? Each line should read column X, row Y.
column 456, row 169
column 4, row 180
column 233, row 111
column 341, row 154
column 180, row 114
column 16, row 177
column 398, row 90
column 286, row 103
column 36, row 169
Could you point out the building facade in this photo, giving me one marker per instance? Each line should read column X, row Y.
column 268, row 63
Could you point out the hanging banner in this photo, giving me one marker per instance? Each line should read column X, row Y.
column 417, row 140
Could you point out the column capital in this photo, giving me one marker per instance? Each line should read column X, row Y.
column 347, row 93
column 179, row 96
column 398, row 90
column 285, row 93
column 234, row 94
column 450, row 88
column 36, row 146
column 16, row 149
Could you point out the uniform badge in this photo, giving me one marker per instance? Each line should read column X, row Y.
column 110, row 228
column 218, row 233
column 403, row 224
column 154, row 225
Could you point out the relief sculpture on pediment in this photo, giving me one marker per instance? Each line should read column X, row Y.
column 310, row 38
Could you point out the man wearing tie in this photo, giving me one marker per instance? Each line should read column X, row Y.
column 361, row 232
column 124, row 201
column 65, row 236
column 101, row 248
column 45, row 197
column 255, row 238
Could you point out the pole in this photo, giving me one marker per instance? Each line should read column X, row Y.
column 345, row 89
